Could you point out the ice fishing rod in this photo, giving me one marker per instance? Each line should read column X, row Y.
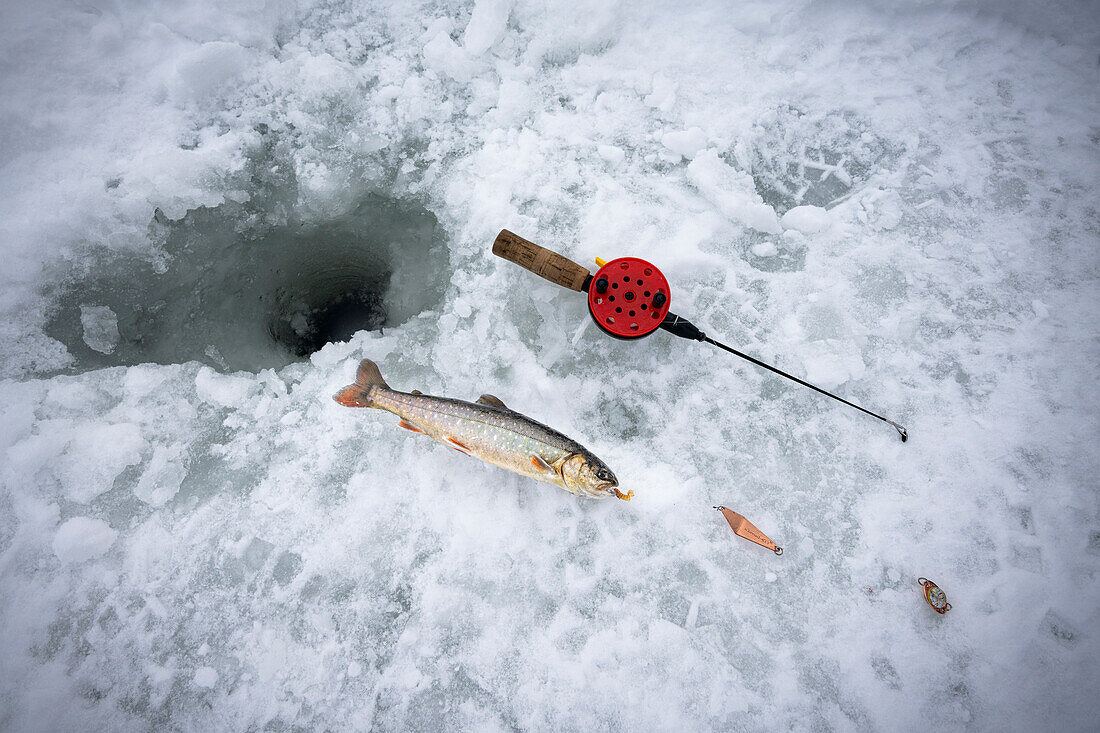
column 629, row 298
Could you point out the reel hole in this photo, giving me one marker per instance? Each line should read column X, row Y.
column 611, row 319
column 633, row 326
column 631, row 314
column 648, row 272
column 618, row 310
column 615, row 285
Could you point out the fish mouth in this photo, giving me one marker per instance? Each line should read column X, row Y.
column 613, row 489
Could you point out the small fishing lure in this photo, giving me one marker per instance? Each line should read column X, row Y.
column 744, row 528
column 936, row 598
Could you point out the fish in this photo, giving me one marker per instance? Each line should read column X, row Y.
column 490, row 431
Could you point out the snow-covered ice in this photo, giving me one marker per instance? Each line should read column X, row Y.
column 897, row 200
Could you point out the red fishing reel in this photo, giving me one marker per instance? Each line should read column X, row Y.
column 628, row 298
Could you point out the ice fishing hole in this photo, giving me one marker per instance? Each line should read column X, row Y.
column 232, row 289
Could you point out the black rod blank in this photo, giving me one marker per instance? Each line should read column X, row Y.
column 683, row 328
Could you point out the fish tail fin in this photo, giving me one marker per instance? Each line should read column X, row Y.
column 361, row 394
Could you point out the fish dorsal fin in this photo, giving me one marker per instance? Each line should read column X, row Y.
column 416, row 391
column 541, row 463
column 492, row 401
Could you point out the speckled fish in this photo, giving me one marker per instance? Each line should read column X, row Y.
column 490, row 431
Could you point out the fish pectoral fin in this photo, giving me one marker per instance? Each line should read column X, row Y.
column 409, row 426
column 541, row 464
column 492, row 401
column 458, row 446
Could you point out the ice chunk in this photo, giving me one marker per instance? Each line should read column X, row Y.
column 806, row 219
column 100, row 325
column 82, row 538
column 448, row 58
column 487, row 23
column 84, row 459
column 163, row 476
column 223, row 390
column 685, row 143
column 764, row 249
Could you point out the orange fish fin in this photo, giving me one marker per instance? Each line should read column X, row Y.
column 353, row 396
column 367, row 379
column 416, row 391
column 408, row 426
column 458, row 446
column 541, row 464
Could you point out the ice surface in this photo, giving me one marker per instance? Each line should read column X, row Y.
column 896, row 200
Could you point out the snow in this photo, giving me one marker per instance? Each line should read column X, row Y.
column 731, row 192
column 806, row 219
column 82, row 538
column 895, row 201
column 206, row 677
column 685, row 143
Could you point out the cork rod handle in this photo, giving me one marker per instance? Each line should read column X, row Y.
column 541, row 261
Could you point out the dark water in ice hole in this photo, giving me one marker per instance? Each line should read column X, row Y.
column 237, row 295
